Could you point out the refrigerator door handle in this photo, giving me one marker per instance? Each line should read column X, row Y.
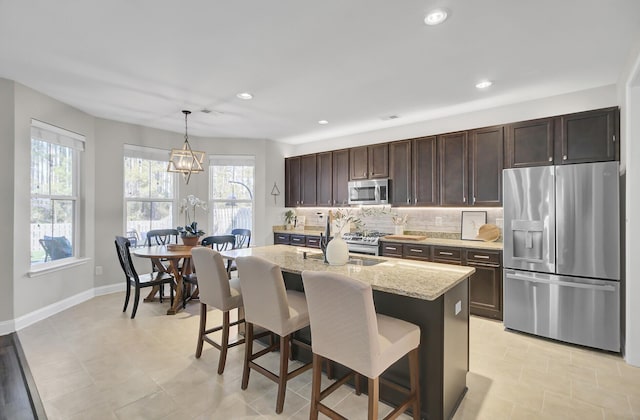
column 604, row 288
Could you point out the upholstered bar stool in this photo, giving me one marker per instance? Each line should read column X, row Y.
column 269, row 305
column 346, row 329
column 218, row 291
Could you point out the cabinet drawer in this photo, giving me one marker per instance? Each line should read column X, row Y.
column 449, row 254
column 298, row 240
column 483, row 256
column 281, row 238
column 416, row 252
column 391, row 249
column 313, row 241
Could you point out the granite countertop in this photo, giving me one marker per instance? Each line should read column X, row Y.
column 308, row 232
column 422, row 280
column 459, row 243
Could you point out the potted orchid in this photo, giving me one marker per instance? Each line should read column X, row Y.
column 190, row 231
column 399, row 223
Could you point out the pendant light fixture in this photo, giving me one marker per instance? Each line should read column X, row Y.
column 185, row 160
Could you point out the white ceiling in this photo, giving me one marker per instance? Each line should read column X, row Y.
column 352, row 62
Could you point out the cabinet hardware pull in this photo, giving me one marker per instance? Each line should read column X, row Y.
column 391, row 248
column 408, row 201
column 474, row 199
column 415, row 250
column 444, row 253
column 564, row 157
column 415, row 200
column 482, row 257
column 478, row 264
column 614, row 138
column 550, row 158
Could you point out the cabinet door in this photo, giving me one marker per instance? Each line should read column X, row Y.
column 400, row 173
column 486, row 159
column 358, row 163
column 425, row 171
column 292, row 181
column 308, row 180
column 281, row 238
column 589, row 136
column 453, row 169
column 485, row 290
column 530, row 143
column 379, row 161
column 416, row 252
column 324, row 176
column 391, row 249
column 340, row 177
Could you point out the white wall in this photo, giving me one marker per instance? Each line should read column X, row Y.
column 111, row 137
column 33, row 293
column 7, row 160
column 601, row 97
column 629, row 93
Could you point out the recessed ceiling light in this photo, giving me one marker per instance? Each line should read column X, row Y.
column 244, row 95
column 484, row 84
column 435, row 17
column 323, row 122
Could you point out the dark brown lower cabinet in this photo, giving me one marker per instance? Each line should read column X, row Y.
column 485, row 294
column 281, row 238
column 485, row 285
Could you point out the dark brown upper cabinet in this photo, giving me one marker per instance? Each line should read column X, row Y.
column 324, row 179
column 590, row 136
column 400, row 173
column 340, row 177
column 452, row 155
column 413, row 170
column 300, row 181
column 486, row 161
column 369, row 162
column 530, row 143
column 425, row 171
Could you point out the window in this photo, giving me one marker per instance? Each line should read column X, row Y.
column 231, row 193
column 149, row 192
column 54, row 192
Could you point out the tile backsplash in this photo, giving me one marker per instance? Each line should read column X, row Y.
column 447, row 221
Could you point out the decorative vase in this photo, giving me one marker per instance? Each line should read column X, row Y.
column 337, row 251
column 399, row 229
column 190, row 240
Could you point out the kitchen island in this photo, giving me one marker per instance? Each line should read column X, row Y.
column 433, row 296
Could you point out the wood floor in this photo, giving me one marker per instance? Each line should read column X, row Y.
column 18, row 395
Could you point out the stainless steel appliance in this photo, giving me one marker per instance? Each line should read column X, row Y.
column 371, row 191
column 363, row 242
column 562, row 253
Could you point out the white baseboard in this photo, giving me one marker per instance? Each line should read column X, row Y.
column 54, row 308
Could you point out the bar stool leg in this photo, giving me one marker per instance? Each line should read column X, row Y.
column 315, row 387
column 414, row 373
column 225, row 342
column 284, row 366
column 374, row 394
column 203, row 327
column 248, row 352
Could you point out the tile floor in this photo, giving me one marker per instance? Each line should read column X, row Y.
column 93, row 362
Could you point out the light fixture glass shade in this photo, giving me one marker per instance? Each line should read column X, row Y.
column 186, row 161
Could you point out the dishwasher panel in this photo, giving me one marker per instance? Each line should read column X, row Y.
column 576, row 310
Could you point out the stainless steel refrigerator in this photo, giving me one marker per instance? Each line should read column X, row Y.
column 562, row 253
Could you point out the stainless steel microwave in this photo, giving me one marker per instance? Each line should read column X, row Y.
column 370, row 191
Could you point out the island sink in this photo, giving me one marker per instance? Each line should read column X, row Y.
column 352, row 260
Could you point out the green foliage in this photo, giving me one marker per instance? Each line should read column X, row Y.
column 190, row 230
column 289, row 215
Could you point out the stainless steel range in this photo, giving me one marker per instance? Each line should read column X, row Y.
column 363, row 242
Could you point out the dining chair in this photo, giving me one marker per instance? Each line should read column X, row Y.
column 346, row 329
column 138, row 281
column 218, row 291
column 269, row 305
column 243, row 237
column 218, row 243
column 162, row 237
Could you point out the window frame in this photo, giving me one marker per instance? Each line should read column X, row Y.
column 212, row 201
column 56, row 136
column 148, row 154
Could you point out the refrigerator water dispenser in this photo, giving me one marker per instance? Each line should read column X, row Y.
column 527, row 239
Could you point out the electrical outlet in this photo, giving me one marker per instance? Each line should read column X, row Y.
column 98, row 270
column 438, row 221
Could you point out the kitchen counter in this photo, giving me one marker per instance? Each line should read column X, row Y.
column 422, row 280
column 458, row 243
column 433, row 296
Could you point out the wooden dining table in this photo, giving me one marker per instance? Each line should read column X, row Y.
column 173, row 254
